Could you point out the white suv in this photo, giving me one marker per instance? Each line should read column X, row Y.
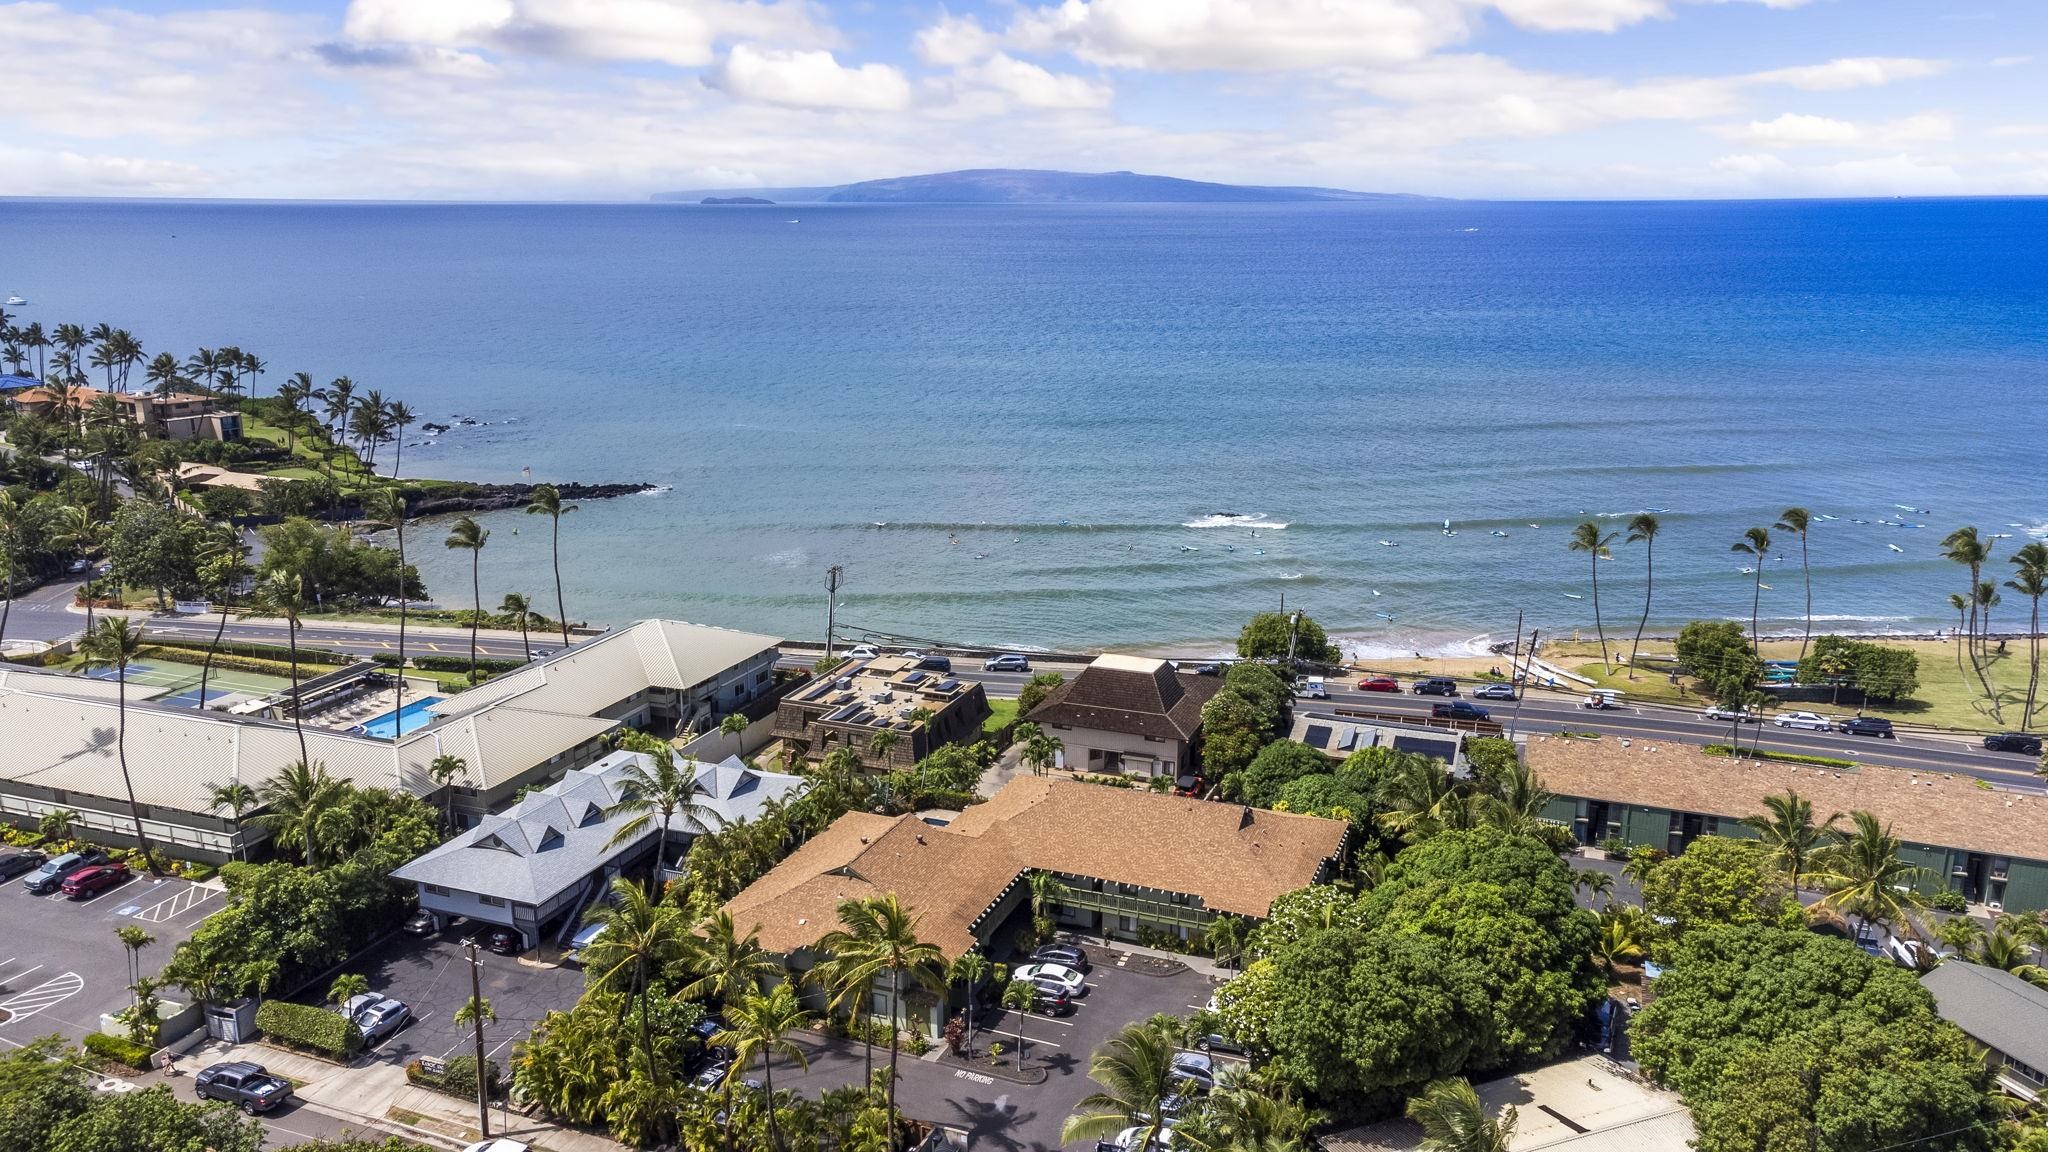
column 1810, row 721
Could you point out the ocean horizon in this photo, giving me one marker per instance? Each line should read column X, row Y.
column 1080, row 426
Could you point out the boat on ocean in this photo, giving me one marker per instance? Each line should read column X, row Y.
column 1573, row 596
column 1388, row 544
column 12, row 301
column 1895, row 548
column 1498, row 532
column 1747, row 571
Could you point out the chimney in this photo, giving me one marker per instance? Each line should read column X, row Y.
column 920, row 837
column 1244, row 819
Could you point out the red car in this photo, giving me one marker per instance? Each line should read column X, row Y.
column 1379, row 684
column 94, row 880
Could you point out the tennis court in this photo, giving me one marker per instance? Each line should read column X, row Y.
column 179, row 683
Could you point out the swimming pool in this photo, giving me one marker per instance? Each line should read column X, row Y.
column 389, row 724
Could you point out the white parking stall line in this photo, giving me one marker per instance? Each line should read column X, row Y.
column 45, row 995
column 23, row 972
column 177, row 904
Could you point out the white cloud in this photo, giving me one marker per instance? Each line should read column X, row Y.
column 1580, row 15
column 2011, row 61
column 800, row 79
column 1852, row 72
column 1034, row 87
column 1795, row 130
column 2010, row 130
column 954, row 40
column 683, row 33
column 1241, row 35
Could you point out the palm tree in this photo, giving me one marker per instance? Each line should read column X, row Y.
column 443, row 770
column 253, row 366
column 1133, row 1074
column 1961, row 604
column 881, row 943
column 398, row 417
column 237, row 798
column 1620, row 940
column 2010, row 948
column 1964, row 546
column 1046, row 892
column 1454, row 1120
column 164, row 374
column 11, row 528
column 2031, row 581
column 284, row 592
column 1021, row 998
column 736, row 727
column 223, row 570
column 113, row 644
column 730, row 966
column 1594, row 883
column 1643, row 529
column 514, row 605
column 760, row 1025
column 389, row 506
column 33, row 338
column 656, row 792
column 1514, row 799
column 72, row 339
column 299, row 797
column 338, row 398
column 1587, row 538
column 1863, row 875
column 1796, row 520
column 546, row 500
column 347, row 987
column 1788, row 830
column 134, row 940
column 881, row 744
column 639, row 935
column 469, row 535
column 968, row 971
column 1041, row 750
column 1755, row 542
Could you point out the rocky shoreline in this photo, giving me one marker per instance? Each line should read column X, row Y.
column 500, row 497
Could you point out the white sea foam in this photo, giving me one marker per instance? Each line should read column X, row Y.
column 1236, row 520
column 657, row 490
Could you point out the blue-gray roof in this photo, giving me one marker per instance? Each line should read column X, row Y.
column 553, row 839
column 1997, row 1009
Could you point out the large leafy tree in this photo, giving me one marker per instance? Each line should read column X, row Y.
column 1277, row 765
column 1717, row 880
column 1268, row 636
column 153, row 1120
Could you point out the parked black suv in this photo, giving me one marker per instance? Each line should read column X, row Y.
column 1459, row 710
column 52, row 875
column 937, row 664
column 1869, row 726
column 13, row 864
column 1435, row 686
column 2014, row 742
column 247, row 1086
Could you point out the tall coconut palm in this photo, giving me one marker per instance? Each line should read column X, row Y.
column 1961, row 604
column 2031, row 581
column 1020, row 998
column 1587, row 538
column 236, row 798
column 35, row 340
column 388, row 506
column 640, row 935
column 881, row 744
column 514, row 605
column 654, row 795
column 72, row 339
column 299, row 799
column 1986, row 599
column 222, row 570
column 1453, row 1119
column 1966, row 547
column 760, row 1026
column 884, row 946
column 1755, row 542
column 1133, row 1074
column 1796, row 521
column 164, row 374
column 284, row 592
column 337, row 400
column 1786, row 827
column 729, row 966
column 1047, row 892
column 113, row 644
column 470, row 536
column 968, row 970
column 1863, row 876
column 398, row 417
column 12, row 531
column 546, row 500
column 443, row 770
column 251, row 366
column 847, row 981
column 1642, row 528
column 133, row 940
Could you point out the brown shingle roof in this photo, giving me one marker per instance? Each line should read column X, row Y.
column 1923, row 807
column 1115, row 695
column 1236, row 859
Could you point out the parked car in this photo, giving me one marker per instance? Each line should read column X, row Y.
column 584, row 938
column 1807, row 721
column 1458, row 710
column 499, row 1144
column 1311, row 687
column 1435, row 686
column 936, row 664
column 1379, row 684
column 1067, row 955
column 1203, row 668
column 1052, row 999
column 1058, row 974
column 1007, row 662
column 379, row 1017
column 1600, row 701
column 1736, row 715
column 13, row 864
column 504, row 941
column 712, row 1075
column 247, row 1086
column 2013, row 742
column 1869, row 726
column 420, row 923
column 1219, row 1042
column 1127, row 1141
column 1195, row 1069
column 94, row 880
column 1494, row 692
column 862, row 652
column 54, row 872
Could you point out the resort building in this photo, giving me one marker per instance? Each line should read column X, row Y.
column 1338, row 737
column 847, row 707
column 534, row 867
column 525, row 727
column 1128, row 715
column 177, row 416
column 1133, row 863
column 2002, row 1012
column 1989, row 844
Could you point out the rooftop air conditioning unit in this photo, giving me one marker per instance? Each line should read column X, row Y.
column 845, row 682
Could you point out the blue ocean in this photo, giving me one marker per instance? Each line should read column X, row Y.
column 1135, row 425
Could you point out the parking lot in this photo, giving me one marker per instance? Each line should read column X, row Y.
column 60, row 964
column 431, row 976
column 1000, row 1114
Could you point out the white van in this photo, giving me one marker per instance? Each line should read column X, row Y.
column 1311, row 687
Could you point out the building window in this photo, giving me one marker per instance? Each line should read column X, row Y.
column 490, row 901
column 436, row 890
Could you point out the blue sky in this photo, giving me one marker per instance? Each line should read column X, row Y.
column 615, row 99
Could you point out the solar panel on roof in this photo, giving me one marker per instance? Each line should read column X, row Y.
column 1317, row 736
column 1441, row 749
column 913, row 677
column 945, row 685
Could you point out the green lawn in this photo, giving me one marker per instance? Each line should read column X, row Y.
column 1000, row 715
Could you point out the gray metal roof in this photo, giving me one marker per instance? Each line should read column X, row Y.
column 553, row 839
column 1997, row 1009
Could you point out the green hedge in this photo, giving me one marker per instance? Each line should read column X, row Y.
column 316, row 1030
column 118, row 1049
column 1781, row 757
column 461, row 664
column 460, row 1079
column 260, row 651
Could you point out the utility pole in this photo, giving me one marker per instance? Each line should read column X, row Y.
column 1523, row 690
column 1293, row 629
column 832, row 575
column 483, row 1078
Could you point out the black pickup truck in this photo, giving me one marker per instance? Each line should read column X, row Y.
column 247, row 1086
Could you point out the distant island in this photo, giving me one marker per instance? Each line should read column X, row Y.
column 1030, row 186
